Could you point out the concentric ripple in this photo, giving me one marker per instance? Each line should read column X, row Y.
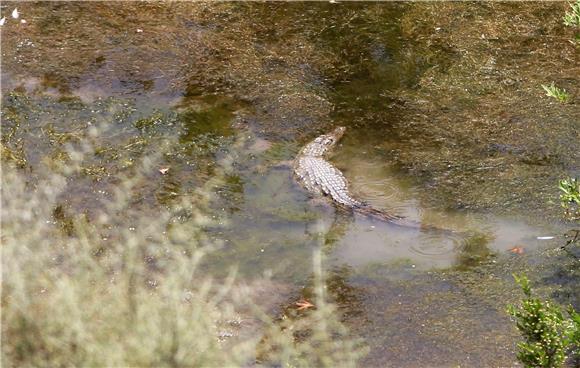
column 434, row 244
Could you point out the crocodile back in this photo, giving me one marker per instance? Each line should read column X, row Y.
column 320, row 176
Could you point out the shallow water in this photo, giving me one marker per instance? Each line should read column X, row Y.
column 238, row 89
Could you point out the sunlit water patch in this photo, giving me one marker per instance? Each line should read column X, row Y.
column 368, row 241
column 273, row 224
column 458, row 238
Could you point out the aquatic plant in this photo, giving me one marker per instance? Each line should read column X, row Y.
column 547, row 332
column 120, row 285
column 572, row 19
column 570, row 196
column 575, row 337
column 559, row 94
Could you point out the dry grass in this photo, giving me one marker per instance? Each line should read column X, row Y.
column 122, row 287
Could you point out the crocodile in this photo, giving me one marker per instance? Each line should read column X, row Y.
column 320, row 177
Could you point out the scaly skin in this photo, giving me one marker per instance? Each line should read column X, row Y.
column 320, row 177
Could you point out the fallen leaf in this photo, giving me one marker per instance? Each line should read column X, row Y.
column 164, row 170
column 517, row 250
column 304, row 304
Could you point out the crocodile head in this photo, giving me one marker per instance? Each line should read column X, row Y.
column 322, row 144
column 338, row 133
column 330, row 139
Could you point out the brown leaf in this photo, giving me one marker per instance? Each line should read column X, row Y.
column 517, row 250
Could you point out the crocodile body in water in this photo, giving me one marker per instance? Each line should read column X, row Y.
column 320, row 177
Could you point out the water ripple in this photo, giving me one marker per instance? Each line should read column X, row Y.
column 436, row 244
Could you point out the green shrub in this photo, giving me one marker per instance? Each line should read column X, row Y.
column 547, row 333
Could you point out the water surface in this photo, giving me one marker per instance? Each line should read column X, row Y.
column 229, row 93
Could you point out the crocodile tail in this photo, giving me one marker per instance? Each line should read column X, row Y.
column 391, row 218
column 402, row 221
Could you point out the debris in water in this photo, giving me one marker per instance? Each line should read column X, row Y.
column 304, row 304
column 517, row 250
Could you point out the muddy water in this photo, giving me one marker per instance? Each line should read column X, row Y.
column 234, row 90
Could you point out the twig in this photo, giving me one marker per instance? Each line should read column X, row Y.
column 572, row 241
